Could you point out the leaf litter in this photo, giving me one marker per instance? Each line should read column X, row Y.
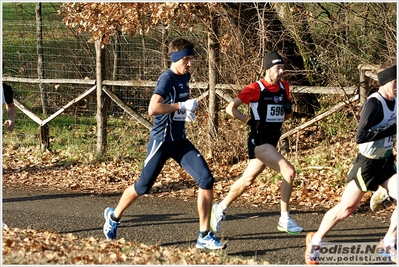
column 317, row 186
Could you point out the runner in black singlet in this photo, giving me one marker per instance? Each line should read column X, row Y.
column 270, row 104
column 374, row 166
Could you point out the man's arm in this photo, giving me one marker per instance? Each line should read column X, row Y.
column 157, row 107
column 232, row 110
column 370, row 116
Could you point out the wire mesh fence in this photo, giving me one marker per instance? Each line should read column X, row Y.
column 65, row 58
column 70, row 56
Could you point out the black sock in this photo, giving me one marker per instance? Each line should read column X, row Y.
column 204, row 233
column 114, row 218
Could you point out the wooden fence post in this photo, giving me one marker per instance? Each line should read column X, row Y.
column 365, row 71
column 40, row 57
column 44, row 137
column 101, row 115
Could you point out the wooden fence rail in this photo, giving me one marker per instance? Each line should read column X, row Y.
column 220, row 89
column 151, row 85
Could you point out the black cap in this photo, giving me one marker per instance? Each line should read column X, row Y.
column 272, row 58
column 387, row 75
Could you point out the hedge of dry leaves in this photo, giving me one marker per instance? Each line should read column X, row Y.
column 319, row 184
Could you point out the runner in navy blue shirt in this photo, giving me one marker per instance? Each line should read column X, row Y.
column 171, row 107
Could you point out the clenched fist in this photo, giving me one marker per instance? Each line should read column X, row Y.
column 190, row 105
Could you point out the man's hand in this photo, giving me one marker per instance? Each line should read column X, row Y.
column 190, row 116
column 249, row 121
column 253, row 124
column 287, row 105
column 190, row 105
column 9, row 124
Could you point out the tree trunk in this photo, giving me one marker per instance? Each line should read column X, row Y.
column 44, row 129
column 40, row 63
column 164, row 48
column 363, row 91
column 101, row 115
column 117, row 57
column 291, row 15
column 143, row 59
column 213, row 54
column 116, row 52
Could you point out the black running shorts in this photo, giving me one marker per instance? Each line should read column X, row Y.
column 370, row 173
column 253, row 142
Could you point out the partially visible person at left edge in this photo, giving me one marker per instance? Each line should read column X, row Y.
column 8, row 99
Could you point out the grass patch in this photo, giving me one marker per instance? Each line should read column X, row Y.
column 76, row 138
column 25, row 11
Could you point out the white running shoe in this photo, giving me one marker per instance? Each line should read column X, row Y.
column 217, row 216
column 289, row 226
column 378, row 198
column 210, row 241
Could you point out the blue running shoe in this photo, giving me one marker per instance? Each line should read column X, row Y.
column 110, row 226
column 210, row 241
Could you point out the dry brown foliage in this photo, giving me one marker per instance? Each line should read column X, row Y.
column 104, row 19
column 44, row 247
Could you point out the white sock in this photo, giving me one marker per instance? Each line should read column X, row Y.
column 222, row 206
column 285, row 215
column 316, row 241
column 389, row 241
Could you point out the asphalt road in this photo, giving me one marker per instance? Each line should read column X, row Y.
column 249, row 232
